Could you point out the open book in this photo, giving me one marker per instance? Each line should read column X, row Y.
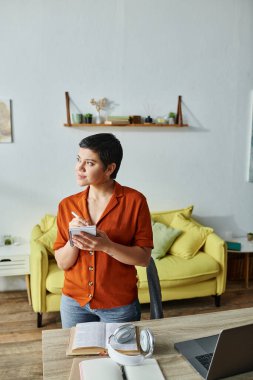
column 107, row 369
column 91, row 338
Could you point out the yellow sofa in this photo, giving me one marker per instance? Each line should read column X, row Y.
column 202, row 275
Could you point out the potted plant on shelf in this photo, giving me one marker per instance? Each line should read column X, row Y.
column 88, row 118
column 8, row 240
column 99, row 104
column 172, row 117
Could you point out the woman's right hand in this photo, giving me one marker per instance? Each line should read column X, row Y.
column 78, row 222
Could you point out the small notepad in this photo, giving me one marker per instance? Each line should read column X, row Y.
column 92, row 230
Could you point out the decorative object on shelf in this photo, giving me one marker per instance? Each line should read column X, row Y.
column 10, row 240
column 98, row 118
column 87, row 118
column 100, row 104
column 5, row 121
column 148, row 120
column 250, row 236
column 233, row 245
column 160, row 120
column 135, row 119
column 179, row 117
column 6, row 240
column 77, row 118
column 172, row 117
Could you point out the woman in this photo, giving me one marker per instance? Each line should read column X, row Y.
column 100, row 275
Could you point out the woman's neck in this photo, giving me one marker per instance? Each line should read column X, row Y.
column 101, row 191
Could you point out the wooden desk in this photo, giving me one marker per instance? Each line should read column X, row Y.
column 167, row 331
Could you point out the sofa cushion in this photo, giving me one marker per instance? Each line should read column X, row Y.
column 192, row 238
column 167, row 216
column 175, row 271
column 48, row 238
column 55, row 278
column 163, row 238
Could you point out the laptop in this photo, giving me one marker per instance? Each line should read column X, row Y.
column 226, row 354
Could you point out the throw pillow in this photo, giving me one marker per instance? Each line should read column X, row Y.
column 167, row 216
column 163, row 238
column 192, row 238
column 49, row 237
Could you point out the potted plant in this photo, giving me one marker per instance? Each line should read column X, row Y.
column 8, row 240
column 100, row 104
column 172, row 117
column 88, row 118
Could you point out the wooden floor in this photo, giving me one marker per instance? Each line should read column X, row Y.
column 20, row 340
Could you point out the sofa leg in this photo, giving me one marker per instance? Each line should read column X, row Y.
column 39, row 319
column 217, row 300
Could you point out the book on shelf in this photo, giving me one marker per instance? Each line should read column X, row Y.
column 91, row 338
column 107, row 369
column 117, row 122
column 115, row 117
column 233, row 246
column 114, row 120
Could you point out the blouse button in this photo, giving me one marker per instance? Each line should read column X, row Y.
column 90, row 268
column 90, row 283
column 91, row 253
column 90, row 295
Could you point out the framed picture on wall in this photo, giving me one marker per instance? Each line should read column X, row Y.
column 251, row 149
column 5, row 121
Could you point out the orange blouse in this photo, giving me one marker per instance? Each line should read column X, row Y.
column 97, row 277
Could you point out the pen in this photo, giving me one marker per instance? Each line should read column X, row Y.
column 75, row 215
column 70, row 234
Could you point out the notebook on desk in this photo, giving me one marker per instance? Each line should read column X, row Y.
column 226, row 354
column 106, row 368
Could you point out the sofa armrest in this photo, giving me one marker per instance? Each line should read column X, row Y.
column 216, row 247
column 38, row 272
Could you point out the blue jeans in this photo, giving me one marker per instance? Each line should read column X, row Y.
column 72, row 313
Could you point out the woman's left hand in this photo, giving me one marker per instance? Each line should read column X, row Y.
column 88, row 242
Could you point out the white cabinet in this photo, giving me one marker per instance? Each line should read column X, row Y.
column 14, row 261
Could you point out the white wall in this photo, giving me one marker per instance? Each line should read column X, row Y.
column 141, row 55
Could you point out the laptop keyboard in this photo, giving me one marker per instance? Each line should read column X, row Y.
column 205, row 360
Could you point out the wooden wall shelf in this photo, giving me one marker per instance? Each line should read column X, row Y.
column 153, row 125
column 179, row 119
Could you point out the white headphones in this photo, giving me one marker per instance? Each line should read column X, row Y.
column 124, row 334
